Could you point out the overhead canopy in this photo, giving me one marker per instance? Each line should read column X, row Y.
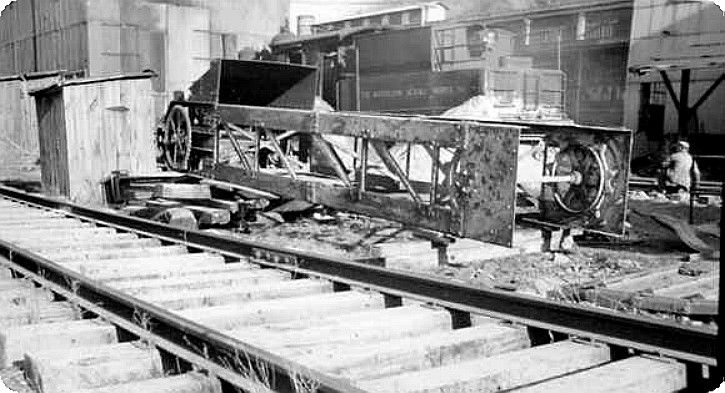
column 695, row 63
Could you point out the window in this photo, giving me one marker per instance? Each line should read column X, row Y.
column 405, row 18
column 545, row 35
column 658, row 94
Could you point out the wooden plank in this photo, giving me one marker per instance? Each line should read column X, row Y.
column 633, row 375
column 226, row 295
column 648, row 280
column 246, row 192
column 432, row 350
column 82, row 368
column 284, row 310
column 691, row 288
column 367, row 326
column 209, row 215
column 182, row 191
column 496, row 373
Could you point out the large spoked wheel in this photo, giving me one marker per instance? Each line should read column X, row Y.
column 586, row 194
column 177, row 139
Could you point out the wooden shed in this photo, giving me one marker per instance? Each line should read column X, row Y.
column 19, row 153
column 91, row 127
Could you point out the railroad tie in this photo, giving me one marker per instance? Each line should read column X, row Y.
column 360, row 327
column 118, row 240
column 230, row 295
column 632, row 375
column 437, row 349
column 111, row 254
column 228, row 278
column 71, row 369
column 30, row 223
column 43, row 312
column 185, row 383
column 237, row 316
column 15, row 341
column 123, row 240
column 142, row 267
column 126, row 275
column 498, row 372
column 39, row 235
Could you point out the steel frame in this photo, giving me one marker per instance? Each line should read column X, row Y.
column 666, row 338
column 477, row 201
column 475, row 197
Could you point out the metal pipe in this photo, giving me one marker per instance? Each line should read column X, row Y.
column 325, row 149
column 363, row 168
column 238, row 149
column 434, row 174
column 257, row 146
column 282, row 156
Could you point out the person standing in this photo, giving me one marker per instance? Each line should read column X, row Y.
column 680, row 171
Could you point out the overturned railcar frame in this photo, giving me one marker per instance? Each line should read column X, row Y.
column 472, row 192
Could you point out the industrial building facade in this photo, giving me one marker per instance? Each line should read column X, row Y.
column 597, row 44
column 176, row 39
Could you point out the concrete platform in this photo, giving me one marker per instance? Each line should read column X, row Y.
column 633, row 375
column 261, row 312
column 69, row 370
column 17, row 340
column 497, row 373
column 186, row 383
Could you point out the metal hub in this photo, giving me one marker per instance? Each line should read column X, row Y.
column 177, row 139
column 586, row 169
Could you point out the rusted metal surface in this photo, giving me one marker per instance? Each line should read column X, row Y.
column 337, row 196
column 612, row 148
column 484, row 185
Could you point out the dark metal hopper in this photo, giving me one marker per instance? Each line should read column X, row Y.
column 255, row 83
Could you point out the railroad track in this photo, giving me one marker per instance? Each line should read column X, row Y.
column 93, row 301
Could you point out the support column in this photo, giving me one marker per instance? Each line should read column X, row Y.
column 684, row 108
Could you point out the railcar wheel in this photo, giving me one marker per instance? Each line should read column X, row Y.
column 587, row 166
column 177, row 139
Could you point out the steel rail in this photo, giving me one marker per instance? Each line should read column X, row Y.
column 667, row 338
column 176, row 334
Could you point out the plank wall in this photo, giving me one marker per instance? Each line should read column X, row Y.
column 19, row 150
column 89, row 130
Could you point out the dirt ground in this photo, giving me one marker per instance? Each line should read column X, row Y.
column 648, row 245
column 338, row 235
